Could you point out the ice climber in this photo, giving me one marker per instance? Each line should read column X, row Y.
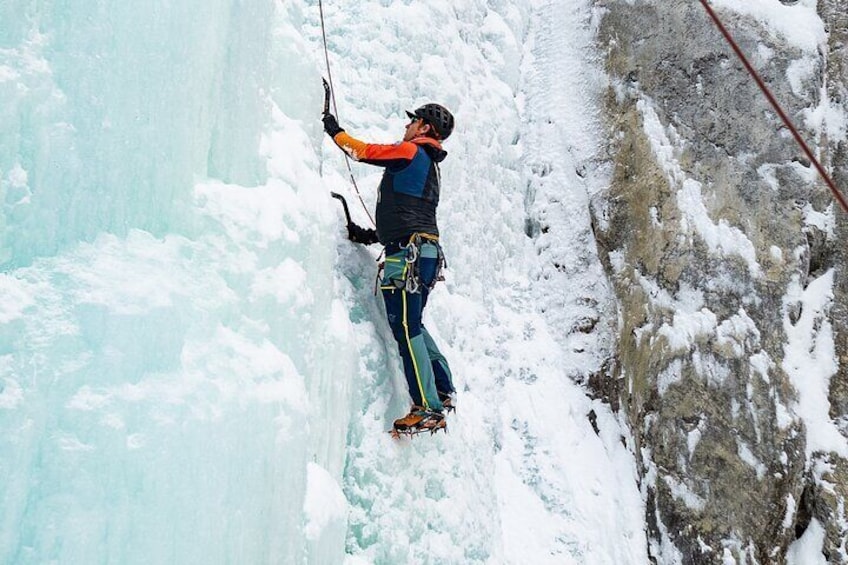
column 406, row 226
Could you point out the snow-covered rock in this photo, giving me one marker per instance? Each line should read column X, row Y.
column 722, row 245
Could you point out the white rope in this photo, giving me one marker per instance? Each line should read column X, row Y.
column 336, row 110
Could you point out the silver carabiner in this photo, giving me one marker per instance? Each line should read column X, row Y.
column 412, row 285
column 412, row 252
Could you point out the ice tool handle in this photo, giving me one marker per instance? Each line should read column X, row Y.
column 326, row 96
column 341, row 199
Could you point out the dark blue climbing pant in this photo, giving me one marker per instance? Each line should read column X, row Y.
column 426, row 369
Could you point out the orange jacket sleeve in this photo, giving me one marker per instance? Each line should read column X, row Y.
column 375, row 153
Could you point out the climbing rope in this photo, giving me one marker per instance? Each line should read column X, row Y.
column 836, row 193
column 330, row 94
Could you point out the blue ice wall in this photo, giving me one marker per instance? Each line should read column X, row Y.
column 167, row 252
column 112, row 109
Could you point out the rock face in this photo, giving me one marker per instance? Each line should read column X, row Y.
column 727, row 255
column 836, row 18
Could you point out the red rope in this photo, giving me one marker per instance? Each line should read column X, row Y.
column 838, row 195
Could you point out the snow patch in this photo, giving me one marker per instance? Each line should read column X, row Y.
column 17, row 176
column 808, row 549
column 810, row 360
column 693, row 438
column 829, row 117
column 823, row 221
column 769, row 176
column 776, row 254
column 798, row 24
column 17, row 297
column 791, row 508
column 324, row 502
column 680, row 491
column 11, row 394
column 762, row 365
column 688, row 329
column 287, row 283
column 669, row 376
column 734, row 332
column 720, row 237
column 709, row 368
column 746, row 455
column 765, row 53
column 799, row 72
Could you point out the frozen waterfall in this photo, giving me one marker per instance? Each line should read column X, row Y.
column 193, row 365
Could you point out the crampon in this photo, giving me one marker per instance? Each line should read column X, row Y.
column 418, row 421
column 448, row 402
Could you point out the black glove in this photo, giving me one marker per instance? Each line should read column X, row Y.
column 361, row 235
column 331, row 125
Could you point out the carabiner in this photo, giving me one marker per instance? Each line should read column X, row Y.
column 412, row 252
column 412, row 286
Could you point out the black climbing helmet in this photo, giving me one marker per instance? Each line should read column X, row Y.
column 437, row 116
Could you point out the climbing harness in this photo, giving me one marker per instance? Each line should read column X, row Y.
column 330, row 94
column 414, row 249
column 773, row 101
column 401, row 270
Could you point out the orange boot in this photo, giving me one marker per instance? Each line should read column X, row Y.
column 418, row 420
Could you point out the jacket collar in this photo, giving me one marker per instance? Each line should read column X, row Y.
column 424, row 140
column 432, row 147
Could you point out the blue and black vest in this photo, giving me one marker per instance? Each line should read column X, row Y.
column 409, row 195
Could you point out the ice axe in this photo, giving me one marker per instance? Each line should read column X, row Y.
column 326, row 96
column 355, row 233
column 341, row 199
column 335, row 195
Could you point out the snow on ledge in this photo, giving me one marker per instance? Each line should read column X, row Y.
column 324, row 503
column 797, row 24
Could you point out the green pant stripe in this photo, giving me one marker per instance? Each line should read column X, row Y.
column 412, row 353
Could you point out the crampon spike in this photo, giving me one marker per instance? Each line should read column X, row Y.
column 411, row 432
